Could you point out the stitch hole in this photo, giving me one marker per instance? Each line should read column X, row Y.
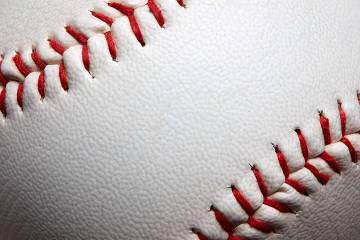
column 358, row 96
column 198, row 233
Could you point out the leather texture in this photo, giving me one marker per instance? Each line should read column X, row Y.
column 145, row 147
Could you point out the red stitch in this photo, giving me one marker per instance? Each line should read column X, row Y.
column 181, row 2
column 325, row 126
column 260, row 181
column 201, row 236
column 282, row 162
column 3, row 80
column 41, row 84
column 19, row 95
column 259, row 225
column 3, row 101
column 108, row 20
column 23, row 69
column 322, row 178
column 330, row 161
column 351, row 148
column 56, row 46
column 243, row 202
column 277, row 205
column 81, row 38
column 296, row 185
column 129, row 12
column 303, row 144
column 233, row 237
column 156, row 12
column 342, row 119
column 63, row 77
column 225, row 224
column 37, row 60
column 86, row 57
column 111, row 44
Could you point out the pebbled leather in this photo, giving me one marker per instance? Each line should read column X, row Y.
column 143, row 149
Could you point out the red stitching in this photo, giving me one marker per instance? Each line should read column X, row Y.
column 111, row 44
column 82, row 40
column 41, row 85
column 19, row 95
column 181, row 2
column 57, row 46
column 156, row 12
column 303, row 144
column 259, row 225
column 243, row 202
column 281, row 207
column 3, row 80
column 225, row 224
column 63, row 77
column 282, row 162
column 325, row 126
column 78, row 36
column 277, row 205
column 37, row 60
column 2, row 102
column 342, row 119
column 296, row 185
column 330, row 161
column 351, row 148
column 23, row 69
column 108, row 20
column 86, row 57
column 260, row 181
column 129, row 12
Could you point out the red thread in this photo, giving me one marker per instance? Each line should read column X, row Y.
column 111, row 44
column 108, row 20
column 322, row 178
column 3, row 101
column 81, row 38
column 56, row 46
column 259, row 225
column 277, row 205
column 225, row 224
column 19, row 95
column 156, row 12
column 330, row 161
column 243, row 202
column 351, row 148
column 303, row 144
column 41, row 84
column 342, row 119
column 201, row 236
column 129, row 12
column 63, row 77
column 325, row 126
column 233, row 237
column 296, row 185
column 181, row 2
column 37, row 60
column 260, row 181
column 86, row 57
column 3, row 80
column 282, row 162
column 23, row 69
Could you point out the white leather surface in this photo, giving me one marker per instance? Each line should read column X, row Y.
column 142, row 150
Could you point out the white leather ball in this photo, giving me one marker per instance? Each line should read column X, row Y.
column 179, row 119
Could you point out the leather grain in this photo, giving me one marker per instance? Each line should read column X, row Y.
column 143, row 149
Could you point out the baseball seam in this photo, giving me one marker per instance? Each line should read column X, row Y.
column 22, row 65
column 266, row 227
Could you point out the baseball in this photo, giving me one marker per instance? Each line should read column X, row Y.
column 179, row 120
